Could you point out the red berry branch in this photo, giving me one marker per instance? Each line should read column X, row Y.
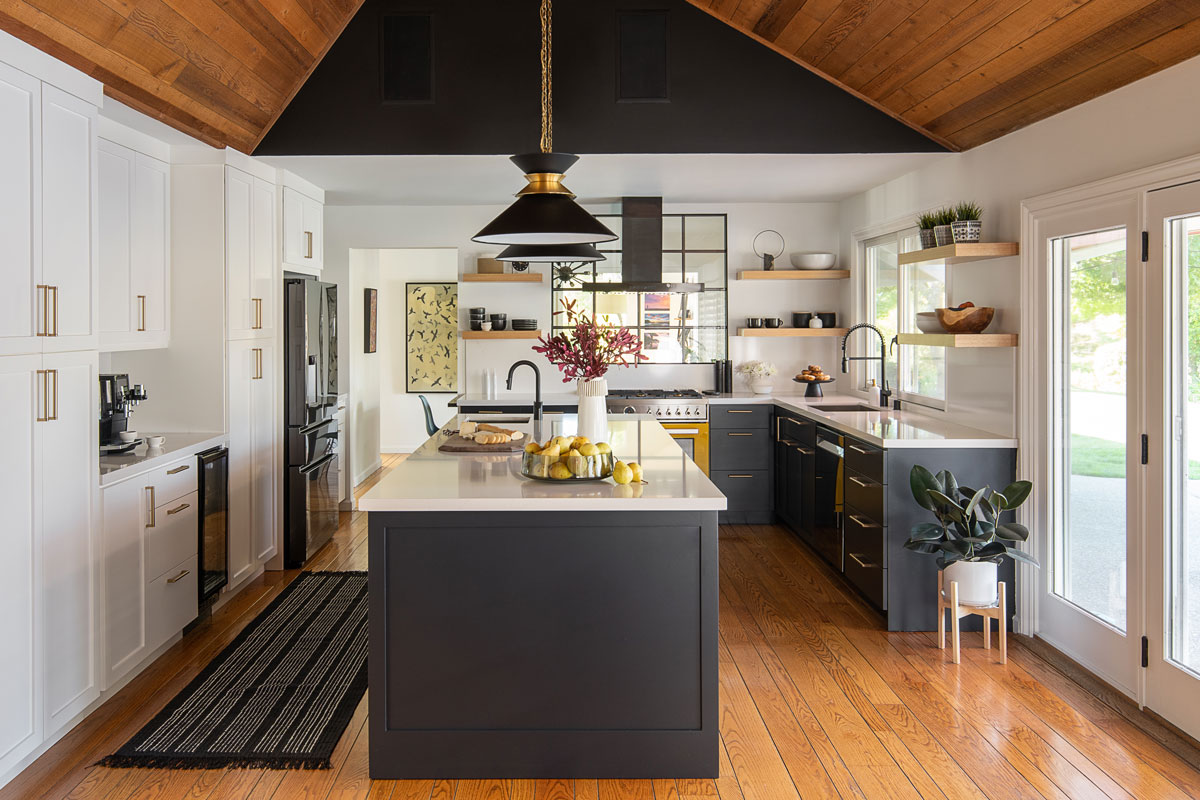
column 590, row 349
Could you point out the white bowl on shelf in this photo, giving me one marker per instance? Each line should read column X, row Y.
column 927, row 322
column 813, row 260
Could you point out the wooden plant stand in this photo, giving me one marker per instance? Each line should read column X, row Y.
column 948, row 599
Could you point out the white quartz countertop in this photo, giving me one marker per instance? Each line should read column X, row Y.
column 117, row 467
column 429, row 480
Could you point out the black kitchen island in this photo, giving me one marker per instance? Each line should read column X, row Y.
column 524, row 629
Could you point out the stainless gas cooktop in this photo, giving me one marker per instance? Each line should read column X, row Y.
column 687, row 405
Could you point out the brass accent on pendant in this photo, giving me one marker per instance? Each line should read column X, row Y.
column 545, row 183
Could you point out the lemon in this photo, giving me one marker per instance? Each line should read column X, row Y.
column 637, row 471
column 532, row 447
column 603, row 447
column 589, row 450
column 622, row 474
column 560, row 471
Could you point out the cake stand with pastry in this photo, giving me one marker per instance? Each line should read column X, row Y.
column 814, row 376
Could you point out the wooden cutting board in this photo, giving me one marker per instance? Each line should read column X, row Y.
column 457, row 444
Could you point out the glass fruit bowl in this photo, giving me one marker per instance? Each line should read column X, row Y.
column 574, row 468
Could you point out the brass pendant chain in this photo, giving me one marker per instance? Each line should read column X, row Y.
column 547, row 94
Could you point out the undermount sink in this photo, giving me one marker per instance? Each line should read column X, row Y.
column 855, row 407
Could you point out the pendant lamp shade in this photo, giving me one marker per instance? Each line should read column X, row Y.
column 550, row 254
column 544, row 219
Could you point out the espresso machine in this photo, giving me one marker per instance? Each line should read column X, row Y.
column 117, row 401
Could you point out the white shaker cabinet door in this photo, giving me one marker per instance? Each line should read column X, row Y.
column 239, row 205
column 118, row 310
column 266, row 465
column 150, row 251
column 20, row 686
column 69, row 473
column 20, row 143
column 265, row 275
column 123, row 535
column 243, row 366
column 68, row 224
column 294, row 239
column 314, row 232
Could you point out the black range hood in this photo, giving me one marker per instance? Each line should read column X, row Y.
column 641, row 251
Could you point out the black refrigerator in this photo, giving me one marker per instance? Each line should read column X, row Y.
column 310, row 398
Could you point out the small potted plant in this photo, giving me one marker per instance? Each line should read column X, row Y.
column 758, row 375
column 966, row 226
column 968, row 538
column 943, row 232
column 925, row 224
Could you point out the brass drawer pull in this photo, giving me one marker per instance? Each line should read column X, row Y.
column 862, row 483
column 153, row 519
column 806, row 451
column 863, row 452
column 44, row 328
column 863, row 522
column 44, row 400
column 739, row 476
column 141, row 312
column 178, row 470
column 180, row 576
column 864, row 564
column 308, row 241
column 738, row 411
column 740, row 434
column 179, row 508
column 54, row 305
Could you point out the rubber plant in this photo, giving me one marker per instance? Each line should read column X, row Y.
column 968, row 526
column 588, row 349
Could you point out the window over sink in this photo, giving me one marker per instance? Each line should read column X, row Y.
column 675, row 327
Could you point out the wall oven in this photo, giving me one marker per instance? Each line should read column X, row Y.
column 692, row 438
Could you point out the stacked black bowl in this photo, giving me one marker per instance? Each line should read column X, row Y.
column 478, row 315
column 499, row 322
column 524, row 325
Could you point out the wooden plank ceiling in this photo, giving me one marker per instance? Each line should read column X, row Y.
column 220, row 70
column 965, row 72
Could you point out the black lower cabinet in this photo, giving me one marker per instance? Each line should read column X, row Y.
column 741, row 461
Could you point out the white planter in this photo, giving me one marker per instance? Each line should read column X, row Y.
column 976, row 582
column 593, row 409
column 762, row 386
column 966, row 230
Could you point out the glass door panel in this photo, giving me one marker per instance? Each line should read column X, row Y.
column 1090, row 543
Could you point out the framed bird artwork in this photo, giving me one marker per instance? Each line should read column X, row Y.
column 431, row 337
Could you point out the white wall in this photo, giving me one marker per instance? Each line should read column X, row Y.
column 1145, row 123
column 360, row 271
column 401, row 419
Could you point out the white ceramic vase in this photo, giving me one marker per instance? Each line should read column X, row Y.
column 976, row 582
column 762, row 386
column 593, row 409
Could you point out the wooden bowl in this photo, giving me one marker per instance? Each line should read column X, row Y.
column 969, row 320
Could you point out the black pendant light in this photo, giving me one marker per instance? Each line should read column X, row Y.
column 550, row 254
column 545, row 212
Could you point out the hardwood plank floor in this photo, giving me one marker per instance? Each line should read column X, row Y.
column 817, row 700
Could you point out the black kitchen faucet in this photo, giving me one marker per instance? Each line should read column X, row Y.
column 885, row 393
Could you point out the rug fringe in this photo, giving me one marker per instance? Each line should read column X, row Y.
column 353, row 572
column 212, row 762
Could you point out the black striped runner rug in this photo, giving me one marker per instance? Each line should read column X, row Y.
column 278, row 696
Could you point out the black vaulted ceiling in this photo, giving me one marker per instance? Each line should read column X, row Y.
column 727, row 93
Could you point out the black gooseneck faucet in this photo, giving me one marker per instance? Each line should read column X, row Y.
column 537, row 385
column 885, row 393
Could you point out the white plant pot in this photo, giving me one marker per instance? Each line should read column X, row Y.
column 943, row 235
column 762, row 386
column 976, row 582
column 593, row 409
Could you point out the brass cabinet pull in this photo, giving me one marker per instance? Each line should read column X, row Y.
column 806, row 451
column 258, row 373
column 43, row 329
column 864, row 564
column 738, row 411
column 863, row 522
column 43, row 399
column 864, row 452
column 141, row 312
column 54, row 305
column 180, row 576
column 862, row 483
column 53, row 373
column 739, row 476
column 308, row 241
column 153, row 519
column 778, row 420
column 178, row 470
column 740, row 434
column 172, row 512
column 257, row 324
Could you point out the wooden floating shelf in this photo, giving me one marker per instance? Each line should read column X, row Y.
column 792, row 332
column 501, row 334
column 793, row 274
column 502, row 277
column 959, row 339
column 953, row 253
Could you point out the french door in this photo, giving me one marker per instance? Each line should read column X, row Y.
column 1089, row 591
column 1172, row 545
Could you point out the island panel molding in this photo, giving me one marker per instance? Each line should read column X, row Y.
column 528, row 645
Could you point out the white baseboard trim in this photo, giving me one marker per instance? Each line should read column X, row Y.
column 399, row 448
column 368, row 472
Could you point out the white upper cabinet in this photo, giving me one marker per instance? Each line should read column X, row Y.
column 250, row 261
column 68, row 229
column 20, row 140
column 303, row 232
column 134, row 249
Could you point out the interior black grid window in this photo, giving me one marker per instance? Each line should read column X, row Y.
column 675, row 327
